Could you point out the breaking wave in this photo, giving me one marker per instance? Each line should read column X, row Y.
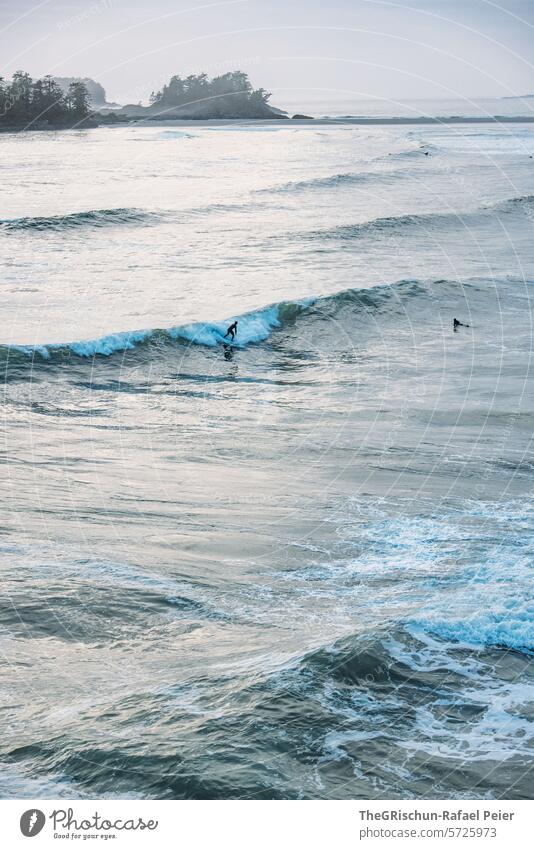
column 258, row 325
column 253, row 327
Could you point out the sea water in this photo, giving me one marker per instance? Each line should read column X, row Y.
column 299, row 567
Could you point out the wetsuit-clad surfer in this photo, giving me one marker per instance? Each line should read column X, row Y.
column 232, row 330
column 456, row 324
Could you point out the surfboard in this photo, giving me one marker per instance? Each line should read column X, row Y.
column 222, row 340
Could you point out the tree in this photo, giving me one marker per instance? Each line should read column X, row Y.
column 78, row 99
column 54, row 106
column 19, row 95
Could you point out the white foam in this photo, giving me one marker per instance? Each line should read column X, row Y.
column 252, row 327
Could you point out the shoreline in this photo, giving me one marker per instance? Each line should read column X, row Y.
column 277, row 122
column 281, row 122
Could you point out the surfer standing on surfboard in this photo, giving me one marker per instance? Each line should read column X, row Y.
column 232, row 330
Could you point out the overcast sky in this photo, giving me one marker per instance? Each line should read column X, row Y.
column 301, row 50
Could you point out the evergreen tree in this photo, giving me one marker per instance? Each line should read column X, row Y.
column 20, row 96
column 55, row 107
column 78, row 99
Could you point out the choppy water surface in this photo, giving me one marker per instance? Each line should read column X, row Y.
column 300, row 567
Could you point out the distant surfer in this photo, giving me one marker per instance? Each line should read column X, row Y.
column 231, row 332
column 456, row 324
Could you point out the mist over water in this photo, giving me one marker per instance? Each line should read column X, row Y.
column 299, row 567
column 443, row 107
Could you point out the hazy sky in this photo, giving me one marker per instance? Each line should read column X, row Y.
column 301, row 50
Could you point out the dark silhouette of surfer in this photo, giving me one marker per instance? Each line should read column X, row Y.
column 456, row 324
column 232, row 330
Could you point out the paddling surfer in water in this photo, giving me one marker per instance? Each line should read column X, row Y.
column 232, row 330
column 456, row 324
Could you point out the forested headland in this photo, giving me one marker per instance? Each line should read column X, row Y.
column 26, row 103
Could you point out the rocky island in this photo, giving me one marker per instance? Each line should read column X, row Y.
column 96, row 92
column 199, row 98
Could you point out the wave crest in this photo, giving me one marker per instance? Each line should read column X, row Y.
column 425, row 219
column 89, row 218
column 253, row 327
column 333, row 181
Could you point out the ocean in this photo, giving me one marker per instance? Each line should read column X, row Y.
column 443, row 107
column 298, row 566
